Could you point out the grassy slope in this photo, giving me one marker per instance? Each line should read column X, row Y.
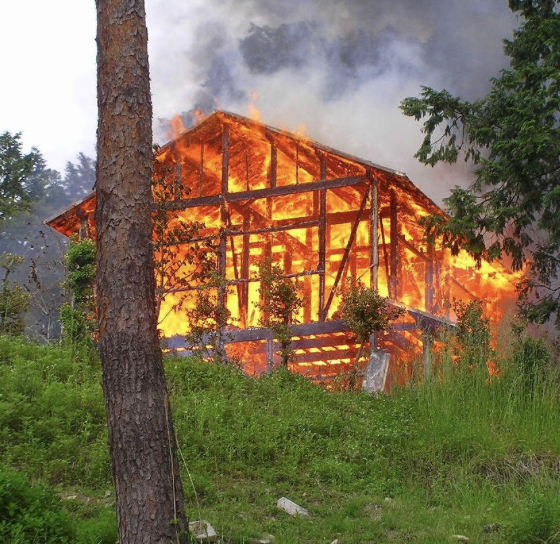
column 417, row 466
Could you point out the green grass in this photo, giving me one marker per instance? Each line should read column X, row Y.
column 455, row 455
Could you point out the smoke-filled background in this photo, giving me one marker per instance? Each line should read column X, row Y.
column 338, row 68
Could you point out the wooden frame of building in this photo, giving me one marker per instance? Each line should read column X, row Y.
column 325, row 216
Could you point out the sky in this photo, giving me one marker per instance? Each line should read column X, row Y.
column 337, row 68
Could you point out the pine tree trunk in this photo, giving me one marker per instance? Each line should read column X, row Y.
column 149, row 494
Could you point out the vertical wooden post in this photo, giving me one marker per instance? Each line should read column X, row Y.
column 225, row 161
column 374, row 237
column 222, row 263
column 430, row 279
column 307, row 282
column 245, row 271
column 273, row 164
column 178, row 179
column 201, row 171
column 322, row 242
column 297, row 163
column 393, row 280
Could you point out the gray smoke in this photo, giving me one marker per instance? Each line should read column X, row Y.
column 339, row 68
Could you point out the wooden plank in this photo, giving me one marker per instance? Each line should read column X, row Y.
column 225, row 160
column 278, row 228
column 385, row 256
column 346, row 255
column 201, row 170
column 245, row 271
column 322, row 252
column 430, row 279
column 296, row 189
column 412, row 248
column 393, row 280
column 265, row 193
column 374, row 237
column 273, row 164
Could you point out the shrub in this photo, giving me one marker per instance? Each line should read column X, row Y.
column 31, row 513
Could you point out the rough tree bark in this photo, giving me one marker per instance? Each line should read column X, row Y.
column 149, row 494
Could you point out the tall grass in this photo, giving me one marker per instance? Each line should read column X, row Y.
column 465, row 408
column 457, row 452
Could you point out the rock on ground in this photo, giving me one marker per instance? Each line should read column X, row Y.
column 203, row 531
column 291, row 507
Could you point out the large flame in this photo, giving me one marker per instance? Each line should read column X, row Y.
column 424, row 279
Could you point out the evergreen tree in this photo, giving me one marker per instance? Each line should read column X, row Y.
column 513, row 137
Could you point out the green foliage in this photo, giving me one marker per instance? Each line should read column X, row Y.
column 31, row 513
column 208, row 318
column 366, row 311
column 280, row 301
column 513, row 136
column 14, row 301
column 473, row 335
column 78, row 317
column 17, row 184
column 80, row 263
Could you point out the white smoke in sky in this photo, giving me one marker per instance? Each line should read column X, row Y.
column 340, row 68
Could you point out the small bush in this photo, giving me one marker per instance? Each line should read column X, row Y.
column 31, row 513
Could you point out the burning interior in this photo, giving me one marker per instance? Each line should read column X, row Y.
column 323, row 216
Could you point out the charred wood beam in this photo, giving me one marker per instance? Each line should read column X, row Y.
column 430, row 291
column 222, row 257
column 265, row 193
column 345, row 255
column 302, row 330
column 259, row 219
column 326, row 355
column 393, row 279
column 374, row 238
column 273, row 164
column 229, row 283
column 278, row 228
column 201, row 170
column 385, row 256
column 235, row 267
column 245, row 271
column 412, row 248
column 225, row 160
column 322, row 252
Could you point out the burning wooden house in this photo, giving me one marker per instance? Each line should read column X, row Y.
column 322, row 215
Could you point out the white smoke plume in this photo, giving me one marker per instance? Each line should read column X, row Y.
column 339, row 68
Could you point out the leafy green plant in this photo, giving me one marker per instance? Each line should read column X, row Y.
column 473, row 335
column 280, row 301
column 78, row 316
column 31, row 513
column 208, row 320
column 366, row 312
column 14, row 301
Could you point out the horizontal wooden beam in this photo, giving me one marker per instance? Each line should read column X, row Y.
column 284, row 190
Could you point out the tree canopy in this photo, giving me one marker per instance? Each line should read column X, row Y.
column 512, row 135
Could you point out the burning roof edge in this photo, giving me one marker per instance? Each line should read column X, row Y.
column 236, row 118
